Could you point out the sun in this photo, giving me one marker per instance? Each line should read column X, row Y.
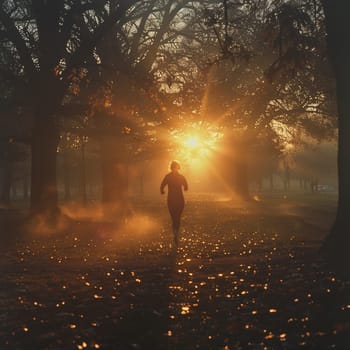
column 192, row 142
column 196, row 144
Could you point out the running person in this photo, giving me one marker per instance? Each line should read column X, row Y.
column 176, row 203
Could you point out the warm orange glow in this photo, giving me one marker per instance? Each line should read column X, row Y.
column 192, row 142
column 198, row 146
column 195, row 146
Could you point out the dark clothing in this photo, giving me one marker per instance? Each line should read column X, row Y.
column 176, row 202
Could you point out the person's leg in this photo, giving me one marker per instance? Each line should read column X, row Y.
column 176, row 222
column 176, row 226
column 175, row 209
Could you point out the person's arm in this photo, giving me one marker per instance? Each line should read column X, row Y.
column 185, row 184
column 163, row 184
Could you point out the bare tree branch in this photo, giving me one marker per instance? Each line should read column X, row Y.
column 16, row 38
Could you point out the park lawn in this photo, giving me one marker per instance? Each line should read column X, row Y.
column 245, row 276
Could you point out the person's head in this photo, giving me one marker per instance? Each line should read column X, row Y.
column 175, row 165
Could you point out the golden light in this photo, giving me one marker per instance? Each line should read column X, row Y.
column 195, row 145
column 192, row 142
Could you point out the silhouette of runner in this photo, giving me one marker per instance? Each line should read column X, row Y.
column 176, row 203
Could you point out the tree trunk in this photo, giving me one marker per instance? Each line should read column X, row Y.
column 114, row 189
column 115, row 196
column 83, row 172
column 66, row 176
column 25, row 186
column 44, row 144
column 241, row 177
column 337, row 242
column 6, row 183
column 48, row 96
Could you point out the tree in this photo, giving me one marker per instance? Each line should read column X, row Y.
column 257, row 87
column 52, row 42
column 335, row 21
column 126, row 90
column 13, row 135
column 337, row 242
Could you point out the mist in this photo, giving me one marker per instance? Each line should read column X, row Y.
column 174, row 175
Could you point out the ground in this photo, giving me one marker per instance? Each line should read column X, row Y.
column 245, row 276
